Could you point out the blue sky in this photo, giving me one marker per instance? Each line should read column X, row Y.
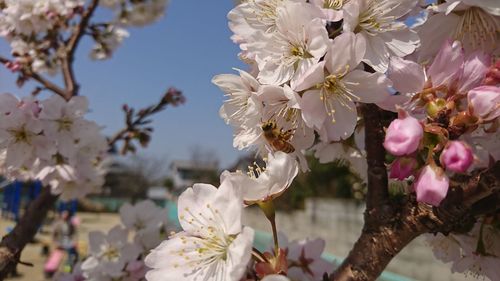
column 185, row 49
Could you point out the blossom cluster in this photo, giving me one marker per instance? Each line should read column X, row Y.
column 455, row 111
column 109, row 36
column 314, row 63
column 310, row 63
column 50, row 140
column 38, row 30
column 136, row 13
column 475, row 253
column 31, row 28
column 214, row 245
column 112, row 256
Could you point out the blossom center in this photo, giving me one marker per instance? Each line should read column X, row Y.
column 265, row 13
column 335, row 90
column 20, row 135
column 334, row 4
column 64, row 124
column 111, row 253
column 374, row 19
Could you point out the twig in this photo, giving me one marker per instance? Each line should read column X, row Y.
column 134, row 122
column 40, row 79
column 70, row 82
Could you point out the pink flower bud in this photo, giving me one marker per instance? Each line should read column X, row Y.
column 402, row 168
column 432, row 185
column 403, row 135
column 456, row 157
column 13, row 66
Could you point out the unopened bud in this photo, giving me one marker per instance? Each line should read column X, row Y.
column 403, row 135
column 403, row 167
column 431, row 185
column 457, row 157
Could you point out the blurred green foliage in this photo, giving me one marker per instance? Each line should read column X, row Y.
column 331, row 180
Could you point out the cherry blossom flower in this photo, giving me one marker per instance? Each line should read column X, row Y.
column 252, row 17
column 334, row 85
column 472, row 22
column 20, row 135
column 63, row 123
column 450, row 69
column 109, row 40
column 109, row 254
column 300, row 41
column 377, row 22
column 146, row 220
column 480, row 251
column 267, row 183
column 28, row 17
column 213, row 245
column 242, row 105
column 144, row 13
column 142, row 216
column 282, row 108
column 445, row 248
column 305, row 255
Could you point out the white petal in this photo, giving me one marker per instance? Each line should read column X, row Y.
column 377, row 55
column 346, row 51
column 369, row 87
column 432, row 38
column 345, row 121
column 313, row 109
column 313, row 76
column 406, row 76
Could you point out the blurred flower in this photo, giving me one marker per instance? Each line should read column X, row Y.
column 109, row 254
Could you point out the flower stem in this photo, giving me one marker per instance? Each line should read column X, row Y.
column 268, row 208
column 259, row 256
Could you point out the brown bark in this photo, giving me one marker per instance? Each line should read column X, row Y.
column 13, row 243
column 391, row 224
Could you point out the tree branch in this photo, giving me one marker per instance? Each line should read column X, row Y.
column 70, row 82
column 40, row 79
column 378, row 193
column 13, row 243
column 136, row 122
column 391, row 225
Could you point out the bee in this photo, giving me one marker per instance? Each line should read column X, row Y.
column 277, row 138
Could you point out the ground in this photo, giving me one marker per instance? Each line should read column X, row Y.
column 32, row 253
